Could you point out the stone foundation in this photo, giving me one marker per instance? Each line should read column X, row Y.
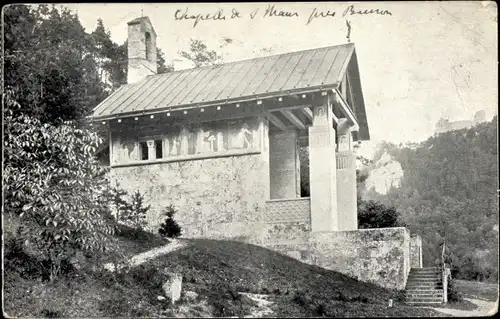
column 216, row 198
column 380, row 256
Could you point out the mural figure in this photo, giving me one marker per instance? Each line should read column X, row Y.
column 201, row 143
column 220, row 142
column 241, row 139
column 343, row 143
column 175, row 146
column 184, row 141
column 166, row 146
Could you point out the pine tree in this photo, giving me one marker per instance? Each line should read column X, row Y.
column 138, row 211
column 119, row 205
column 169, row 228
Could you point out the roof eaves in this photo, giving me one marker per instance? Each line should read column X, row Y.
column 219, row 102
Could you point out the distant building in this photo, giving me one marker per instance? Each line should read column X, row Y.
column 444, row 125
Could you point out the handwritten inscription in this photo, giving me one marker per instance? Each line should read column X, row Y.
column 352, row 11
column 272, row 11
column 218, row 15
column 320, row 14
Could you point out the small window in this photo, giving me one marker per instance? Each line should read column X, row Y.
column 148, row 46
column 143, row 148
column 159, row 148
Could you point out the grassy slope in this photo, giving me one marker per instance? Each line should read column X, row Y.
column 477, row 290
column 216, row 270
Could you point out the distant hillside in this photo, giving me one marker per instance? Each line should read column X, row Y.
column 449, row 190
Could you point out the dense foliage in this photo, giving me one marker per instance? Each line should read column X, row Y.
column 372, row 214
column 59, row 71
column 55, row 186
column 449, row 192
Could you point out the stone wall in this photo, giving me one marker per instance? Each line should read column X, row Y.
column 216, row 198
column 379, row 256
column 416, row 251
column 346, row 191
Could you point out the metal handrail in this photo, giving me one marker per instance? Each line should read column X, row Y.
column 444, row 273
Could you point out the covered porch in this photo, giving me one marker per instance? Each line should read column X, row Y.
column 311, row 159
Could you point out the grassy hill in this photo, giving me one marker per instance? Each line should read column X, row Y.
column 216, row 270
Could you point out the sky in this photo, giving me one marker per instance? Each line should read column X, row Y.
column 422, row 62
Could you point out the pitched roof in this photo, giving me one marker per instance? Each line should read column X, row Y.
column 295, row 72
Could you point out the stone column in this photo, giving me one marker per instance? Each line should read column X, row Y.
column 322, row 172
column 346, row 178
column 283, row 165
column 151, row 150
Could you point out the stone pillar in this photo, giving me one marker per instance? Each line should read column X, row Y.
column 322, row 172
column 283, row 165
column 151, row 150
column 346, row 178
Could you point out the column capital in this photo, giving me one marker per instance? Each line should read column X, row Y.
column 344, row 136
column 322, row 115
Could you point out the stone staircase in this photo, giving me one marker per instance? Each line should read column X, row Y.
column 424, row 286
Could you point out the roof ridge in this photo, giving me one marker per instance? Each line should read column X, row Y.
column 262, row 57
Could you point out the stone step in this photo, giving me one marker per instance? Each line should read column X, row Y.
column 424, row 299
column 419, row 286
column 424, row 276
column 424, row 295
column 423, row 284
column 424, row 291
column 425, row 272
column 423, row 280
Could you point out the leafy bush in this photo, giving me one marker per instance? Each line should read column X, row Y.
column 169, row 228
column 453, row 294
column 372, row 214
column 56, row 187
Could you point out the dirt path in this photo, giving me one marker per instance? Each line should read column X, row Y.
column 263, row 305
column 484, row 308
column 150, row 254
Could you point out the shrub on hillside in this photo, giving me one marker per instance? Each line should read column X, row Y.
column 169, row 228
column 134, row 213
column 372, row 214
column 56, row 187
column 453, row 294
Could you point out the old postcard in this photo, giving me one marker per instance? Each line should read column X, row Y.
column 280, row 159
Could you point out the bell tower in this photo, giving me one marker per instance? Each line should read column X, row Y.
column 141, row 49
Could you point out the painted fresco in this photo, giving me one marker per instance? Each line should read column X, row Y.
column 212, row 137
